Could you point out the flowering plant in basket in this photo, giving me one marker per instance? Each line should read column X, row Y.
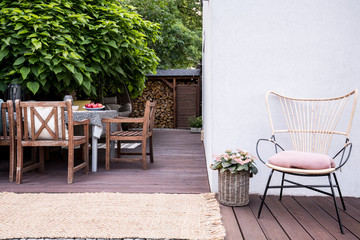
column 236, row 161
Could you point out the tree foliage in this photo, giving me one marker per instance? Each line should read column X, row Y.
column 62, row 45
column 179, row 45
column 190, row 13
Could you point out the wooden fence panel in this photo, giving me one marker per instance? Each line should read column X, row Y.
column 186, row 100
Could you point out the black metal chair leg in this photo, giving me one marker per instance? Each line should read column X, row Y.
column 340, row 195
column 336, row 207
column 264, row 196
column 282, row 186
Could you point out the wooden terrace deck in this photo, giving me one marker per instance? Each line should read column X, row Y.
column 180, row 167
column 174, row 152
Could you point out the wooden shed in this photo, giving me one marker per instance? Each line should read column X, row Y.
column 178, row 94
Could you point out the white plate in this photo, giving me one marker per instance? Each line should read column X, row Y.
column 94, row 109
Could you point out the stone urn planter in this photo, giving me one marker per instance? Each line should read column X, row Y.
column 195, row 130
column 195, row 124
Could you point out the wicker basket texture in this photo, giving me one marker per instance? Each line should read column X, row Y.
column 234, row 188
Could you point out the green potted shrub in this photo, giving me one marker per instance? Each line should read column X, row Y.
column 195, row 124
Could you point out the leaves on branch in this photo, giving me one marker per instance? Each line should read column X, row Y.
column 179, row 45
column 73, row 44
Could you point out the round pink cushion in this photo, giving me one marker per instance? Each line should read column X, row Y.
column 302, row 160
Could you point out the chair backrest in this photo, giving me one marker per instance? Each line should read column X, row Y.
column 149, row 117
column 44, row 120
column 312, row 123
column 7, row 121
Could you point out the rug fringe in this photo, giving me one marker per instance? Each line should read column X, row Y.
column 215, row 227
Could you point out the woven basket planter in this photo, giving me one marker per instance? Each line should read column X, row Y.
column 234, row 188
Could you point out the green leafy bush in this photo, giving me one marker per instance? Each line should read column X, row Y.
column 195, row 122
column 62, row 45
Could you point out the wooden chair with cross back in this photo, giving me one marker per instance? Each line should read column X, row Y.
column 45, row 124
column 7, row 134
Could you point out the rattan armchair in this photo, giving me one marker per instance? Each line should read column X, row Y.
column 308, row 127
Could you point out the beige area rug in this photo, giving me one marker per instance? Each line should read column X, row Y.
column 110, row 215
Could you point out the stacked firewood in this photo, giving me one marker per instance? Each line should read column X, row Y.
column 156, row 90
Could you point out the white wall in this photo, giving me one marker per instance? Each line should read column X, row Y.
column 297, row 48
column 207, row 90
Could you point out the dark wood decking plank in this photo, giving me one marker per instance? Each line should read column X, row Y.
column 292, row 228
column 315, row 229
column 348, row 222
column 355, row 202
column 323, row 218
column 248, row 223
column 230, row 223
column 268, row 223
column 352, row 211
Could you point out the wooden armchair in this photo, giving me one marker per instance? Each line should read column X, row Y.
column 8, row 138
column 43, row 124
column 132, row 135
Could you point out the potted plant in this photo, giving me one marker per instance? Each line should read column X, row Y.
column 235, row 168
column 195, row 124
